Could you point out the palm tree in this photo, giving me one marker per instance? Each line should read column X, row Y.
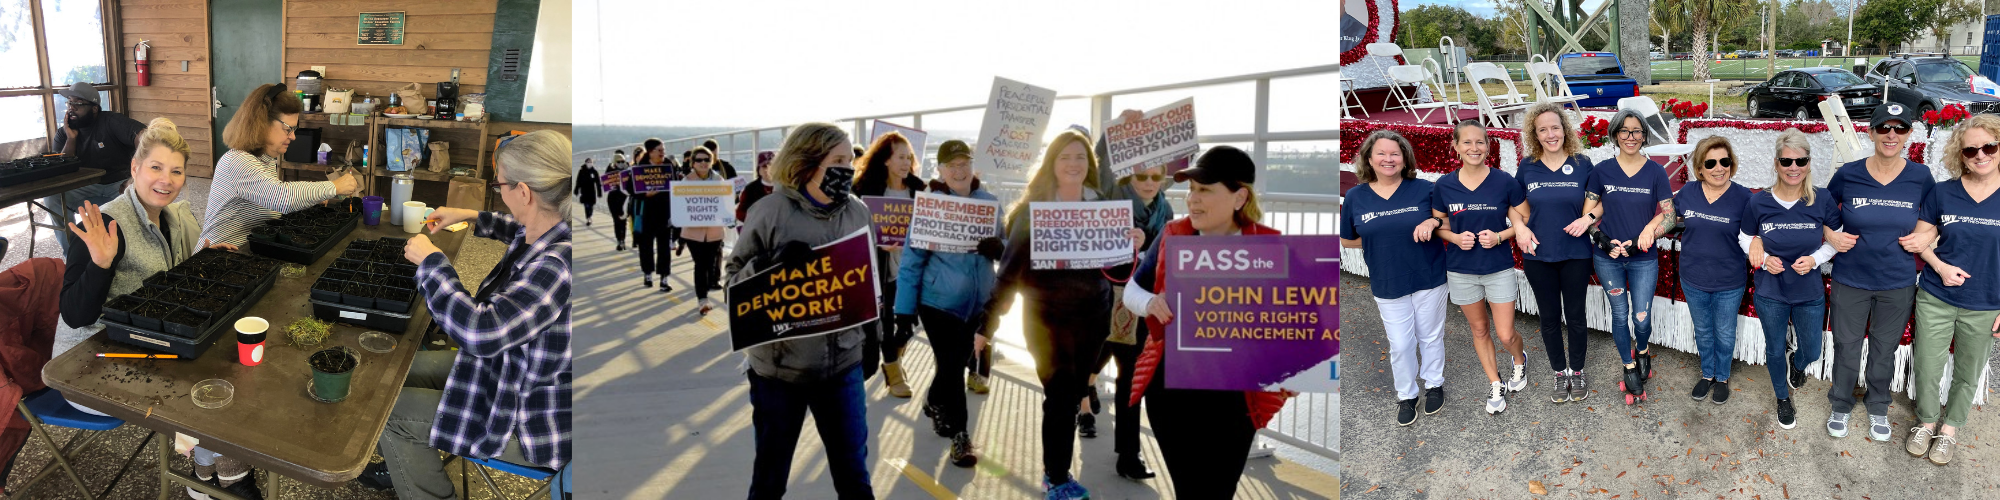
column 1703, row 16
column 1669, row 19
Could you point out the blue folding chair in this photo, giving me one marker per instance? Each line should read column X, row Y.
column 47, row 407
column 546, row 476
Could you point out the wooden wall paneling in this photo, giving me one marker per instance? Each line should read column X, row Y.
column 384, row 88
column 420, row 41
column 177, row 31
column 339, row 8
column 377, row 57
column 403, row 74
column 350, row 24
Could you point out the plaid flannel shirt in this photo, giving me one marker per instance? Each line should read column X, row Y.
column 512, row 377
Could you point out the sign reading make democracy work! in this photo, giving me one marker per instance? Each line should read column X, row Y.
column 703, row 203
column 834, row 290
column 649, row 178
column 1079, row 235
column 950, row 224
column 1252, row 313
column 612, row 180
column 1163, row 136
column 1010, row 137
column 889, row 218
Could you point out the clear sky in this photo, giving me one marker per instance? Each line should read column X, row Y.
column 759, row 63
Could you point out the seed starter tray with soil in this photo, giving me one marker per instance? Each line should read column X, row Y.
column 31, row 169
column 304, row 236
column 183, row 320
column 368, row 286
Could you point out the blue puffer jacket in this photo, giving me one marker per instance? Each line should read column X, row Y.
column 956, row 283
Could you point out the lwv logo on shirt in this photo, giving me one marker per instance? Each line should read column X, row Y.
column 1475, row 207
column 1538, row 185
column 1865, row 202
column 1698, row 215
column 1372, row 215
column 1949, row 219
column 1617, row 189
column 1768, row 227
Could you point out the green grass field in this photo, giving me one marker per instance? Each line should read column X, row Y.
column 1740, row 69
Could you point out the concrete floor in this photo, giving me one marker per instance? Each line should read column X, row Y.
column 1670, row 447
column 98, row 463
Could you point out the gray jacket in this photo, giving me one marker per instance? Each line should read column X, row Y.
column 768, row 227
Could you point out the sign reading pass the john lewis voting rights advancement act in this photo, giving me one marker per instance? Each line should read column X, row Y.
column 703, row 203
column 1253, row 313
column 1079, row 235
column 889, row 218
column 1163, row 136
column 1011, row 135
column 951, row 224
column 836, row 289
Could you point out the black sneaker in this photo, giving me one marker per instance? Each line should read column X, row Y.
column 1433, row 400
column 375, row 477
column 648, row 283
column 1787, row 417
column 1406, row 412
column 962, row 452
column 937, row 421
column 621, row 247
column 1701, row 389
column 1086, row 425
column 1798, row 378
column 1720, row 393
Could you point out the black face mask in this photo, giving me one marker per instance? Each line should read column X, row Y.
column 839, row 181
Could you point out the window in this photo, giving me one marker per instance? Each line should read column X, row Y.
column 1838, row 79
column 74, row 48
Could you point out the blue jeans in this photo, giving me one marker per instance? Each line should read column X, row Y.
column 1629, row 288
column 1808, row 319
column 778, row 412
column 1714, row 315
column 68, row 202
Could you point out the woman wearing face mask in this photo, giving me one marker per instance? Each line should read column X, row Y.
column 757, row 189
column 1204, row 435
column 146, row 230
column 1958, row 309
column 652, row 221
column 948, row 292
column 1389, row 217
column 704, row 242
column 887, row 170
column 1555, row 259
column 1875, row 283
column 1631, row 194
column 587, row 188
column 1066, row 310
column 1474, row 202
column 1714, row 239
column 617, row 198
column 1789, row 220
column 820, row 373
column 246, row 191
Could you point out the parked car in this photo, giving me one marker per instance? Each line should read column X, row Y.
column 1598, row 76
column 1796, row 93
column 1683, row 55
column 1929, row 83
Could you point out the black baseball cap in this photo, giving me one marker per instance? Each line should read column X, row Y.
column 953, row 150
column 1896, row 111
column 1219, row 164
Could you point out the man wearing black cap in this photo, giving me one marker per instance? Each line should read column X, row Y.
column 103, row 139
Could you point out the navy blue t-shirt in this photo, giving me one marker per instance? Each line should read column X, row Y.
column 1555, row 199
column 1968, row 237
column 1629, row 203
column 1479, row 209
column 1397, row 264
column 1879, row 215
column 1711, row 260
column 1790, row 233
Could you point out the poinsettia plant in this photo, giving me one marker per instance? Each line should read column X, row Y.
column 1946, row 117
column 1596, row 132
column 1686, row 109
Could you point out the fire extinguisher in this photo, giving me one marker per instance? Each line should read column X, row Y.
column 145, row 71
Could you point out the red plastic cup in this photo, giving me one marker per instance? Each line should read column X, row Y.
column 250, row 333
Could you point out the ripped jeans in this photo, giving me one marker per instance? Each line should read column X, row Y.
column 1629, row 288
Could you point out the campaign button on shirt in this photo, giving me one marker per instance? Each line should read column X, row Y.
column 1630, row 202
column 1398, row 265
column 1790, row 233
column 1879, row 214
column 1483, row 208
column 1968, row 237
column 1710, row 258
column 1555, row 199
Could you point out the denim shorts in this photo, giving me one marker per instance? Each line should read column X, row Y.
column 1469, row 289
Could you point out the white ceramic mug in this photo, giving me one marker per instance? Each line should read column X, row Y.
column 414, row 213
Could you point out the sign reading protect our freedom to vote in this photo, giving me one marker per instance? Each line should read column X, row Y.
column 1010, row 137
column 703, row 203
column 1079, row 234
column 1253, row 313
column 648, row 178
column 950, row 224
column 1162, row 136
column 834, row 290
column 889, row 218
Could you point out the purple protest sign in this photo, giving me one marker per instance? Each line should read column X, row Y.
column 649, row 178
column 889, row 217
column 1252, row 313
column 834, row 290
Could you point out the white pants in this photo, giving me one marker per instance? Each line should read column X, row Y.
column 1415, row 324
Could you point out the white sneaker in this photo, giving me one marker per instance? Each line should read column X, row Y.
column 1498, row 402
column 1519, row 381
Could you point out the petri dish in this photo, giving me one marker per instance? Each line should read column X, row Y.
column 378, row 342
column 213, row 393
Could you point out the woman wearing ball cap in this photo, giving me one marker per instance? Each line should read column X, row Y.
column 1958, row 305
column 1204, row 435
column 948, row 292
column 1875, row 279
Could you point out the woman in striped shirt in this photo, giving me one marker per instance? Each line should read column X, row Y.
column 246, row 191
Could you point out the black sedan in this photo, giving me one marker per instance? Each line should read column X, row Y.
column 1796, row 93
column 1930, row 82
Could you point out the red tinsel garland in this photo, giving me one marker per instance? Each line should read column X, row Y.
column 1917, row 151
column 1432, row 143
column 1372, row 34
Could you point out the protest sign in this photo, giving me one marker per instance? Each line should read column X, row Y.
column 890, row 218
column 738, row 183
column 916, row 137
column 703, row 204
column 649, row 178
column 1164, row 135
column 1010, row 137
column 836, row 289
column 612, row 180
column 1252, row 313
column 1079, row 234
column 950, row 224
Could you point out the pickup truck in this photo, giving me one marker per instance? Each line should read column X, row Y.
column 1598, row 76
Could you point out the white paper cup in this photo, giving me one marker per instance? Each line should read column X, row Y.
column 414, row 213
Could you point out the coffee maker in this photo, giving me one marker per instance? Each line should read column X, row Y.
column 447, row 100
column 312, row 93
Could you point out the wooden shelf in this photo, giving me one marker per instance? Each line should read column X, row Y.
column 323, row 118
column 425, row 175
column 438, row 123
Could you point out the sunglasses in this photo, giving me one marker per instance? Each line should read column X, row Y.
column 1149, row 177
column 701, row 160
column 1786, row 162
column 1885, row 129
column 1990, row 149
column 1724, row 162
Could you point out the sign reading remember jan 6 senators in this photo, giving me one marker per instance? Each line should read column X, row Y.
column 951, row 224
column 1253, row 313
column 834, row 290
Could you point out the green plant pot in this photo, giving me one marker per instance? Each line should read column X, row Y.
column 332, row 369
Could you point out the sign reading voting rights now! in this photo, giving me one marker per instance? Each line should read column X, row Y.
column 704, row 203
column 1253, row 313
column 834, row 290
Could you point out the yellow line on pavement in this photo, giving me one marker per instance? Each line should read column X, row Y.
column 921, row 479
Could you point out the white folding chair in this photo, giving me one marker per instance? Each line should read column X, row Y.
column 1493, row 110
column 1439, row 100
column 1551, row 87
column 1845, row 144
column 1349, row 99
column 1397, row 98
column 1649, row 115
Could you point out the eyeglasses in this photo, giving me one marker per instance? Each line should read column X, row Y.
column 1989, row 148
column 289, row 128
column 1724, row 162
column 1632, row 132
column 701, row 160
column 497, row 185
column 1149, row 177
column 1885, row 129
column 1786, row 162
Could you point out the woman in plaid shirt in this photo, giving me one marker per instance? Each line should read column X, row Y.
column 506, row 392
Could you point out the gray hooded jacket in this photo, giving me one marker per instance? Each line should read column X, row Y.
column 768, row 226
